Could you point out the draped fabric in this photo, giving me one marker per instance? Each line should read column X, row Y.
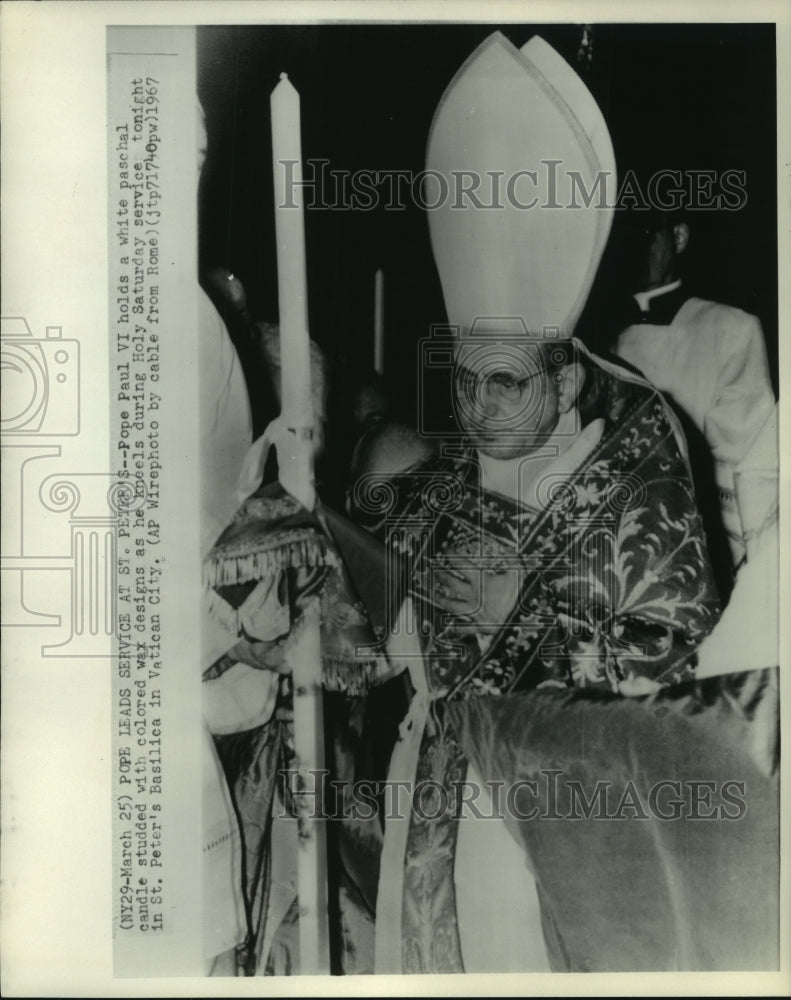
column 650, row 827
column 251, row 760
column 272, row 559
column 670, row 861
column 275, row 557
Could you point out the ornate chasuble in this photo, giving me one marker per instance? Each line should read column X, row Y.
column 615, row 584
column 615, row 581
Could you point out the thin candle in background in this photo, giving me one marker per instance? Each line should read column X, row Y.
column 379, row 322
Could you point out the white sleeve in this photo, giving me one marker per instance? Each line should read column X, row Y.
column 743, row 397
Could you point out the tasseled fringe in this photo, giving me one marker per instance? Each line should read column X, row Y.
column 349, row 676
column 226, row 570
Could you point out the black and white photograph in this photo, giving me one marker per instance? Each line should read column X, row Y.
column 511, row 498
column 408, row 500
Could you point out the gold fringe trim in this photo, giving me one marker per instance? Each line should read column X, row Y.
column 351, row 677
column 227, row 569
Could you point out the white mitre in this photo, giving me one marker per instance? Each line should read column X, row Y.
column 509, row 111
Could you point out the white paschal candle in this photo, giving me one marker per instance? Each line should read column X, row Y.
column 295, row 471
column 292, row 285
column 379, row 322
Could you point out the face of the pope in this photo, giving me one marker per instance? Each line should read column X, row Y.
column 506, row 397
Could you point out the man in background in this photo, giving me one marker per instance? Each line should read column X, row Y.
column 709, row 360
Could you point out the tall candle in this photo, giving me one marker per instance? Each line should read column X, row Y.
column 292, row 293
column 295, row 471
column 379, row 322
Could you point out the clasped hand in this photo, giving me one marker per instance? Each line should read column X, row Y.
column 484, row 596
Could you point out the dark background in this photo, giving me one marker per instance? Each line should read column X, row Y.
column 674, row 97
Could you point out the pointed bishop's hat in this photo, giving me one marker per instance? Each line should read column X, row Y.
column 525, row 124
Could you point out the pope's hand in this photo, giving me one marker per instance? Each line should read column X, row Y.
column 487, row 597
